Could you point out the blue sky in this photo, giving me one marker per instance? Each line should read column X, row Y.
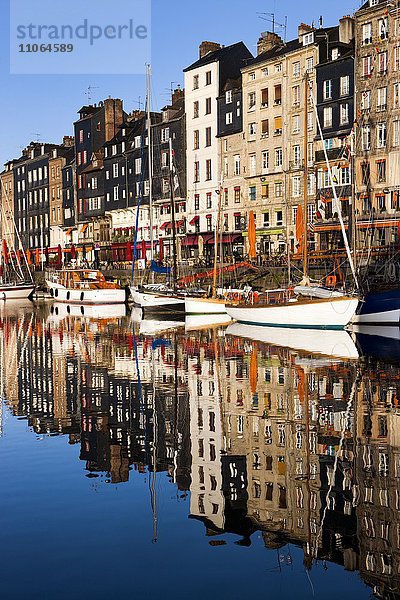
column 47, row 104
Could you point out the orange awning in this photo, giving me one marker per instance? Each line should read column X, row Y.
column 84, row 227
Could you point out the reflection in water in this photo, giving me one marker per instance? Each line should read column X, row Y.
column 302, row 448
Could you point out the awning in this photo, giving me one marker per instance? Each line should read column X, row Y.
column 69, row 231
column 166, row 225
column 190, row 240
column 84, row 227
column 194, row 220
column 179, row 223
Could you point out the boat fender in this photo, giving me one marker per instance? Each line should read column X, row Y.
column 254, row 297
column 331, row 281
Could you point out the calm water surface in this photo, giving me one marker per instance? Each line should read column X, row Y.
column 161, row 461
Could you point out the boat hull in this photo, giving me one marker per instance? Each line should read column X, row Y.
column 379, row 308
column 157, row 302
column 16, row 292
column 86, row 296
column 204, row 306
column 334, row 313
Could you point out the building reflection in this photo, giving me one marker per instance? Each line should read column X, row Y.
column 304, row 449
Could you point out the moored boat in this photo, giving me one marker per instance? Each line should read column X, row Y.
column 157, row 298
column 379, row 308
column 204, row 306
column 84, row 286
column 16, row 291
column 278, row 308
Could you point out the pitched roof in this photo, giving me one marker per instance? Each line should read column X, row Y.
column 215, row 56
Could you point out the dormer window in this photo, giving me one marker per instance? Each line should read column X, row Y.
column 252, row 76
column 373, row 2
column 308, row 38
column 228, row 97
column 278, row 68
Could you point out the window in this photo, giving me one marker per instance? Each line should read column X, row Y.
column 382, row 61
column 195, row 82
column 381, row 170
column 296, row 69
column 209, row 223
column 381, row 202
column 236, row 162
column 237, row 195
column 296, row 95
column 296, row 123
column 164, row 159
column 209, row 201
column 138, row 166
column 196, row 139
column 252, row 165
column 196, row 171
column 396, row 53
column 208, row 170
column 278, row 94
column 383, row 30
column 310, row 121
column 196, row 202
column 365, row 172
column 367, row 66
column 278, row 157
column 238, row 221
column 228, row 97
column 264, row 191
column 327, row 117
column 366, row 137
column 252, row 193
column 115, row 169
column 296, row 186
column 226, row 166
column 266, row 221
column 278, row 68
column 335, row 54
column 396, row 133
column 252, row 100
column 208, row 78
column 396, row 95
column 345, row 176
column 327, row 89
column 229, row 118
column 116, row 195
column 265, row 72
column 252, row 129
column 344, row 114
column 345, row 85
column 366, row 100
column 278, row 189
column 310, row 64
column 367, row 34
column 278, row 126
column 279, row 218
column 164, row 135
column 382, row 99
column 208, row 136
column 308, row 38
column 208, row 106
column 252, row 76
column 296, row 155
column 195, row 109
column 265, row 161
column 264, row 98
column 81, row 133
column 381, row 135
column 264, row 128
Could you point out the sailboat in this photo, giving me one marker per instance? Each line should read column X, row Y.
column 153, row 297
column 15, row 284
column 303, row 306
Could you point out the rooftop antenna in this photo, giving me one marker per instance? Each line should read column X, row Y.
column 270, row 18
column 37, row 136
column 89, row 92
column 173, row 86
column 139, row 102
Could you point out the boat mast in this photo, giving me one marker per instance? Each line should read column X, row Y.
column 353, row 231
column 171, row 185
column 305, row 183
column 149, row 143
column 333, row 186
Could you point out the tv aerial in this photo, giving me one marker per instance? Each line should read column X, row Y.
column 276, row 26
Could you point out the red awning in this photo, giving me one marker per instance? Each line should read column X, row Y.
column 179, row 223
column 194, row 220
column 166, row 225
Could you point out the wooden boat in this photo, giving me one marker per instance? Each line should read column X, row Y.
column 16, row 291
column 379, row 308
column 84, row 286
column 157, row 298
column 281, row 308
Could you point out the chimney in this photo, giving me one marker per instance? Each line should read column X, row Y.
column 207, row 47
column 304, row 28
column 114, row 117
column 177, row 94
column 267, row 41
column 321, row 22
column 346, row 29
column 68, row 141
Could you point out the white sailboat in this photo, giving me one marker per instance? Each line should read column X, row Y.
column 305, row 307
column 15, row 284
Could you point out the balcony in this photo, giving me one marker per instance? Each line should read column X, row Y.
column 333, row 154
column 296, row 165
